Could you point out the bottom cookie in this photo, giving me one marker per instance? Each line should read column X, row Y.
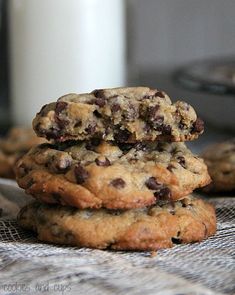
column 185, row 221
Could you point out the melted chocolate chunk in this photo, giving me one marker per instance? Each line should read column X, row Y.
column 170, row 167
column 118, row 183
column 198, row 126
column 99, row 93
column 100, row 101
column 81, row 174
column 122, row 135
column 92, row 144
column 91, row 129
column 125, row 147
column 151, row 113
column 115, row 107
column 61, row 146
column 52, row 133
column 60, row 106
column 159, row 94
column 165, row 129
column 147, row 96
column 176, row 241
column 147, row 128
column 97, row 114
column 181, row 125
column 78, row 123
column 152, row 184
column 163, row 194
column 181, row 161
column 103, row 163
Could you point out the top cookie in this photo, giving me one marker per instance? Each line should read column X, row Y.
column 121, row 114
column 220, row 159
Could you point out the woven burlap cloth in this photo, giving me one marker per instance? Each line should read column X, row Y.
column 28, row 266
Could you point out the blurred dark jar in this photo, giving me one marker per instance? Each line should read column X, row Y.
column 211, row 88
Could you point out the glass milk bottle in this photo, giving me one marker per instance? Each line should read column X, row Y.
column 63, row 46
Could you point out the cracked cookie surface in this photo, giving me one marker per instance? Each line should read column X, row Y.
column 97, row 174
column 13, row 146
column 119, row 114
column 220, row 159
column 185, row 221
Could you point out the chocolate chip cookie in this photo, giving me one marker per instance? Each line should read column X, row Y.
column 161, row 226
column 220, row 159
column 97, row 173
column 119, row 114
column 13, row 146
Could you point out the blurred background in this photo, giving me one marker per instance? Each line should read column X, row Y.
column 52, row 47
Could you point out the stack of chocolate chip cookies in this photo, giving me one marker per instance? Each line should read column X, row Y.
column 116, row 173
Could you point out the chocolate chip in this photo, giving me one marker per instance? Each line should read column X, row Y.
column 163, row 194
column 170, row 167
column 97, row 114
column 78, row 123
column 125, row 147
column 91, row 129
column 98, row 93
column 81, row 174
column 60, row 106
column 151, row 113
column 118, row 183
column 159, row 94
column 176, row 241
column 52, row 133
column 166, row 129
column 147, row 96
column 152, row 184
column 158, row 120
column 115, row 107
column 100, row 101
column 92, row 144
column 61, row 146
column 181, row 125
column 181, row 161
column 147, row 128
column 122, row 135
column 198, row 126
column 104, row 162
